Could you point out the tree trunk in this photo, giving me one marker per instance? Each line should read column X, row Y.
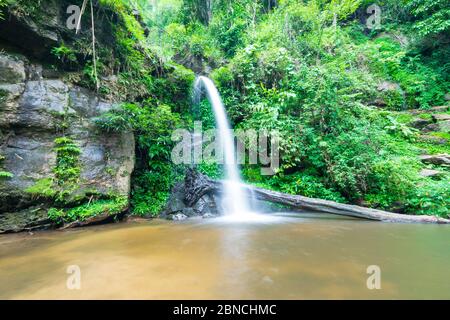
column 198, row 185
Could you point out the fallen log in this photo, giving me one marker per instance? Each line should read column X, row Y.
column 198, row 185
column 325, row 206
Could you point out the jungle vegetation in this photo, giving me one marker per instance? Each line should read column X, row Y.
column 343, row 96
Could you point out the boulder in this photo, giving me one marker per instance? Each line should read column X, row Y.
column 444, row 126
column 428, row 173
column 206, row 204
column 433, row 139
column 179, row 217
column 433, row 127
column 441, row 117
column 388, row 86
column 440, row 159
column 175, row 204
column 439, row 109
column 390, row 95
column 420, row 123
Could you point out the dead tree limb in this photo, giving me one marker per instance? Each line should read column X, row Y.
column 197, row 185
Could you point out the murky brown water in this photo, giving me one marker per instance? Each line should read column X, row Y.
column 293, row 258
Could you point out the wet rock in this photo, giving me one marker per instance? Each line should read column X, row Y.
column 433, row 139
column 444, row 126
column 420, row 123
column 433, row 127
column 208, row 216
column 189, row 212
column 93, row 221
column 440, row 159
column 431, row 173
column 441, row 117
column 179, row 217
column 435, row 109
column 206, row 205
column 175, row 204
column 439, row 108
column 196, row 185
column 33, row 218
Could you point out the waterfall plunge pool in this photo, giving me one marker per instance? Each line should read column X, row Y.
column 286, row 256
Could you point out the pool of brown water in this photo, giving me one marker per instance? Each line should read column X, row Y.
column 288, row 257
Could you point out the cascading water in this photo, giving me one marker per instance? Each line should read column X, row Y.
column 235, row 202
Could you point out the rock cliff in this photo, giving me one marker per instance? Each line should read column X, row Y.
column 38, row 106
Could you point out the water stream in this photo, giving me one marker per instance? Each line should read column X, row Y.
column 235, row 199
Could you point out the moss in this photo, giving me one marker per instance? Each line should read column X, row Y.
column 111, row 171
column 42, row 189
column 111, row 206
column 444, row 135
column 404, row 118
column 425, row 116
column 4, row 174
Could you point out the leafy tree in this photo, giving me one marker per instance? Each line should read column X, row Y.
column 432, row 16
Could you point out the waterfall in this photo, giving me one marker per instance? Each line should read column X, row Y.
column 234, row 201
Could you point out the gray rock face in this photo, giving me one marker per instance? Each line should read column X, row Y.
column 36, row 36
column 204, row 205
column 13, row 70
column 33, row 113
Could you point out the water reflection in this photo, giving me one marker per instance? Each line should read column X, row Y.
column 290, row 257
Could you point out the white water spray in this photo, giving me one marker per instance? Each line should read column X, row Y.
column 235, row 201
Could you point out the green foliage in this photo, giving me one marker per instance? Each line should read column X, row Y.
column 43, row 188
column 67, row 172
column 55, row 214
column 111, row 206
column 67, row 169
column 297, row 74
column 401, row 128
column 307, row 69
column 4, row 175
column 3, row 4
column 155, row 174
column 433, row 16
column 431, row 198
column 64, row 54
